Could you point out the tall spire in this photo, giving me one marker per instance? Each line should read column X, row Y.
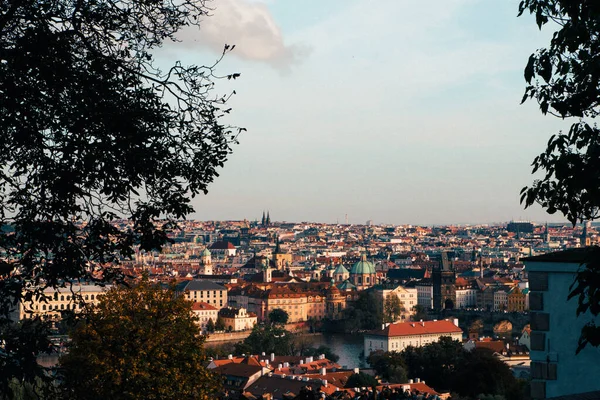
column 268, row 219
column 263, row 219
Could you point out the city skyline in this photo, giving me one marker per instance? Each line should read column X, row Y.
column 400, row 113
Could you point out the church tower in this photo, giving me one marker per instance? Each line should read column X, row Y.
column 444, row 285
column 206, row 262
column 585, row 239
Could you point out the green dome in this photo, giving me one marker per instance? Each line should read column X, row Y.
column 205, row 253
column 340, row 270
column 363, row 267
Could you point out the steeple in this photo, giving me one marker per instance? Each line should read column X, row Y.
column 585, row 241
column 263, row 219
column 268, row 219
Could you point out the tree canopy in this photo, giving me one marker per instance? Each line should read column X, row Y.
column 269, row 338
column 392, row 308
column 564, row 79
column 389, row 365
column 446, row 366
column 278, row 316
column 138, row 343
column 91, row 131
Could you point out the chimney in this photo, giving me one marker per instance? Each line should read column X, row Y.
column 286, row 364
column 417, row 380
column 230, row 357
column 324, row 381
column 422, row 323
column 410, row 381
column 263, row 353
column 301, row 362
column 382, row 326
column 279, row 366
column 356, row 370
column 455, row 321
column 323, row 371
column 272, row 357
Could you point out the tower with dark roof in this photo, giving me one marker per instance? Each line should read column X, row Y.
column 444, row 284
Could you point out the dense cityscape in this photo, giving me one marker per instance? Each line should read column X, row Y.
column 395, row 287
column 140, row 140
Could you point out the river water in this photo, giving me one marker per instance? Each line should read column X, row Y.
column 348, row 347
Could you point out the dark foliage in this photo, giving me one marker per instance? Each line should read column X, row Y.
column 91, row 132
column 361, row 380
column 565, row 80
column 278, row 316
column 269, row 339
column 389, row 365
column 446, row 366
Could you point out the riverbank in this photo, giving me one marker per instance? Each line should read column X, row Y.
column 224, row 337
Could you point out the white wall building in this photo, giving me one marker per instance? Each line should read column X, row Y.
column 466, row 298
column 56, row 301
column 425, row 294
column 204, row 312
column 556, row 369
column 500, row 300
column 397, row 337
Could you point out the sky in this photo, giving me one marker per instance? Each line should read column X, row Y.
column 395, row 111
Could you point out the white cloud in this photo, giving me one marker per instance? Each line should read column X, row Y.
column 247, row 25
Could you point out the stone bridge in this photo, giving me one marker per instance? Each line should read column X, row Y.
column 466, row 318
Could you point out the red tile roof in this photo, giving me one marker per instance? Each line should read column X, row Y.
column 201, row 306
column 418, row 328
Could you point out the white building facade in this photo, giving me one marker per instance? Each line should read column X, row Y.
column 556, row 369
column 397, row 337
column 425, row 295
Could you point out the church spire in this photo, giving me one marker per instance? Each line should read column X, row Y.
column 268, row 219
column 263, row 219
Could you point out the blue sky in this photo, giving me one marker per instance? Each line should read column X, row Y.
column 396, row 111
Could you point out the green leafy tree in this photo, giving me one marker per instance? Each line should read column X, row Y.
column 420, row 313
column 220, row 324
column 91, row 132
column 392, row 308
column 564, row 79
column 278, row 316
column 480, row 371
column 210, row 325
column 363, row 315
column 268, row 338
column 435, row 362
column 389, row 365
column 137, row 343
column 361, row 380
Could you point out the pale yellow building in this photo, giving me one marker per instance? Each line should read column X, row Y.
column 204, row 291
column 56, row 301
column 408, row 298
column 205, row 312
column 238, row 319
column 294, row 304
